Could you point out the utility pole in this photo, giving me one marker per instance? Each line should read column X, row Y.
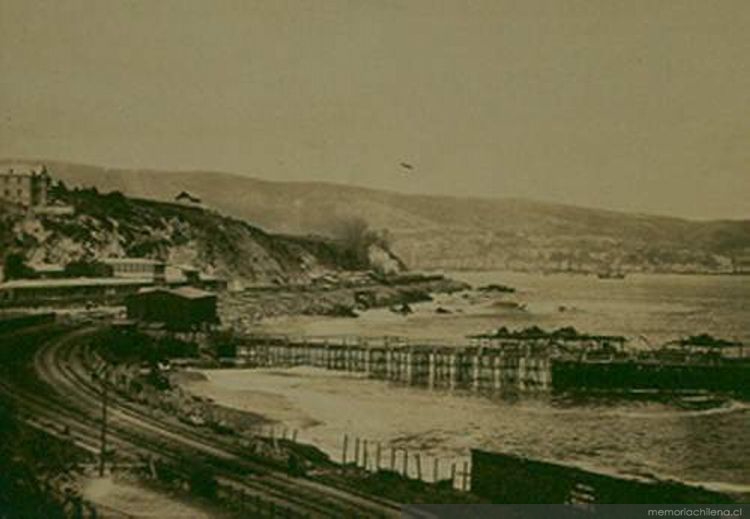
column 103, row 452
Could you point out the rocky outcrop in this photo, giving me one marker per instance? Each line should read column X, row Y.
column 112, row 225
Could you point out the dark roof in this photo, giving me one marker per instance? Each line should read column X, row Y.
column 185, row 195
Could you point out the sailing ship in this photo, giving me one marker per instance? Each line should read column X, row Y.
column 611, row 274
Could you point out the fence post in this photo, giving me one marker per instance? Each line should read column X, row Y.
column 465, row 481
column 356, row 452
column 453, row 475
column 435, row 475
column 406, row 463
column 419, row 467
column 377, row 457
column 364, row 454
column 393, row 458
column 152, row 468
column 346, row 448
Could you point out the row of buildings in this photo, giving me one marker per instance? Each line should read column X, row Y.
column 122, row 277
column 177, row 297
column 150, row 290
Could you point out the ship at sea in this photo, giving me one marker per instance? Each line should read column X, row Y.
column 611, row 274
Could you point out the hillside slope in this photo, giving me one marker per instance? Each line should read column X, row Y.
column 112, row 225
column 441, row 231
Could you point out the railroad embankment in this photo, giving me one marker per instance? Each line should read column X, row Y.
column 161, row 397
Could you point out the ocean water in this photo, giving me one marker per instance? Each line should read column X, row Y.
column 648, row 309
column 673, row 438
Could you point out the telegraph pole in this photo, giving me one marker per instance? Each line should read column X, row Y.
column 103, row 453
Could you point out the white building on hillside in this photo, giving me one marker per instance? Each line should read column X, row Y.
column 24, row 185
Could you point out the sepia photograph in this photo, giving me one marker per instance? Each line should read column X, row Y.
column 374, row 258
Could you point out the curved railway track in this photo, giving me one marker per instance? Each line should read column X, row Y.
column 64, row 397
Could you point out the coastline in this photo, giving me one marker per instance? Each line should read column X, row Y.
column 337, row 300
column 325, row 405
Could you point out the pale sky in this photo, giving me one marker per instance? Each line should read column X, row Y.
column 640, row 105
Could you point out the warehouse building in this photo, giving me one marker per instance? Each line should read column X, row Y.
column 179, row 309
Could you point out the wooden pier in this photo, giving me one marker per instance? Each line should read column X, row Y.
column 481, row 365
column 495, row 365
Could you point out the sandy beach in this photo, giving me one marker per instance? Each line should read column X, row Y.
column 635, row 437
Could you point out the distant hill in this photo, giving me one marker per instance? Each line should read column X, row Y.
column 443, row 231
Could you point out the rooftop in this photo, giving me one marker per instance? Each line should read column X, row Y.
column 47, row 267
column 192, row 293
column 185, row 292
column 73, row 282
column 22, row 170
column 131, row 261
column 186, row 268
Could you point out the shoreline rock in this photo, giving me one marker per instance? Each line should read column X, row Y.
column 252, row 306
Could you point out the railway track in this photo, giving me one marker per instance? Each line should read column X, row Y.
column 64, row 395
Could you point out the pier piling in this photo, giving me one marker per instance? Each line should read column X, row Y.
column 486, row 365
column 364, row 454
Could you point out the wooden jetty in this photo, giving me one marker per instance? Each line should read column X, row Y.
column 494, row 365
column 486, row 365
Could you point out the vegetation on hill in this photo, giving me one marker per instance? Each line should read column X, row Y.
column 113, row 225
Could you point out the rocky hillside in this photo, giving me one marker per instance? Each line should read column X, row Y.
column 113, row 225
column 435, row 231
